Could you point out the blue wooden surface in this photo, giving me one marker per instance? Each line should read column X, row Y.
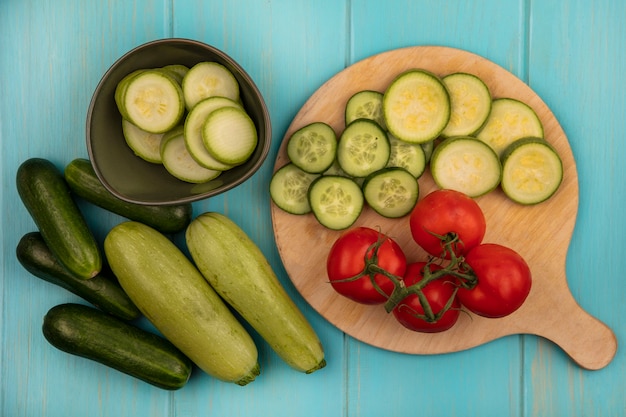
column 52, row 55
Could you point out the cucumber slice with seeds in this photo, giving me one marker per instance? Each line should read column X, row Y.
column 532, row 171
column 336, row 202
column 193, row 131
column 209, row 79
column 153, row 101
column 409, row 156
column 391, row 192
column 416, row 106
column 471, row 104
column 229, row 135
column 466, row 164
column 289, row 188
column 509, row 120
column 363, row 148
column 366, row 104
column 144, row 144
column 179, row 163
column 313, row 147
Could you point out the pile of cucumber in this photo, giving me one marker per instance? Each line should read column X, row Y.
column 191, row 120
column 140, row 272
column 470, row 141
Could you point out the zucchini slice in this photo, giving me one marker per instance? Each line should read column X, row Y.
column 416, row 106
column 532, row 171
column 366, row 104
column 229, row 135
column 363, row 148
column 471, row 104
column 289, row 187
column 144, row 144
column 153, row 101
column 179, row 163
column 509, row 120
column 391, row 192
column 336, row 202
column 208, row 79
column 313, row 147
column 466, row 164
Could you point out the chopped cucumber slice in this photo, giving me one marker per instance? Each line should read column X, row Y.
column 193, row 131
column 209, row 79
column 471, row 104
column 229, row 135
column 531, row 171
column 416, row 106
column 313, row 147
column 179, row 69
column 363, row 148
column 336, row 202
column 391, row 192
column 366, row 104
column 120, row 91
column 509, row 120
column 466, row 164
column 179, row 163
column 153, row 101
column 289, row 189
column 409, row 156
column 144, row 144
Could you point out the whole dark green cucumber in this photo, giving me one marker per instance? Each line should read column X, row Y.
column 48, row 199
column 89, row 333
column 84, row 182
column 102, row 291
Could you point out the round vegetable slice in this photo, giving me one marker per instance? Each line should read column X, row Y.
column 416, row 106
column 209, row 79
column 366, row 104
column 406, row 155
column 471, row 104
column 335, row 201
column 178, row 162
column 193, row 131
column 144, row 144
column 531, row 171
column 313, row 147
column 229, row 135
column 363, row 148
column 289, row 187
column 153, row 101
column 466, row 164
column 509, row 120
column 391, row 192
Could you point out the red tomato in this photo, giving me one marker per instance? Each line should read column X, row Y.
column 346, row 259
column 503, row 281
column 443, row 212
column 437, row 292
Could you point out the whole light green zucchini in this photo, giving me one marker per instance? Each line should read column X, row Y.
column 92, row 334
column 169, row 290
column 48, row 199
column 236, row 268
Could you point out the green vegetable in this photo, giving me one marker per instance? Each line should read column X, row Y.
column 89, row 333
column 234, row 265
column 83, row 181
column 391, row 192
column 102, row 291
column 48, row 199
column 174, row 296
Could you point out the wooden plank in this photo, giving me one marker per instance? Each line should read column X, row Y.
column 577, row 65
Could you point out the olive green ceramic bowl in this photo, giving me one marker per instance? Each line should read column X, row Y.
column 131, row 178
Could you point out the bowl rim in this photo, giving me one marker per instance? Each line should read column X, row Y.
column 192, row 197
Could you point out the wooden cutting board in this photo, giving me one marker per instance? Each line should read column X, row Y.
column 541, row 233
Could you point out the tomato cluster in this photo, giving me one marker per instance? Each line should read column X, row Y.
column 488, row 279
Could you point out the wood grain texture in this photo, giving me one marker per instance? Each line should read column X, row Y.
column 540, row 235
